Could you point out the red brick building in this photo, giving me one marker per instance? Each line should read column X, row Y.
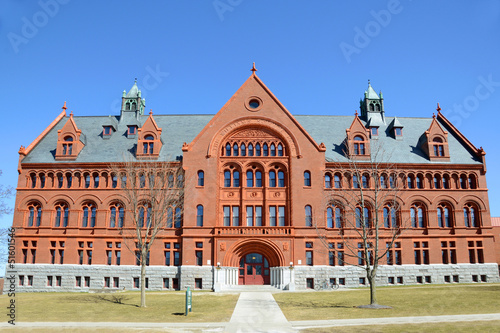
column 254, row 209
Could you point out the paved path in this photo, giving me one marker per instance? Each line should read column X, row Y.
column 258, row 312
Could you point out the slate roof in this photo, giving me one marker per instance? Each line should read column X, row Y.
column 177, row 129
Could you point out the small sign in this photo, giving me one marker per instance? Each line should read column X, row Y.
column 189, row 300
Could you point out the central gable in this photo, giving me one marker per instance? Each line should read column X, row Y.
column 253, row 110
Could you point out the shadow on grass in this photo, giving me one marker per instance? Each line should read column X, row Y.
column 178, row 314
column 115, row 299
column 314, row 305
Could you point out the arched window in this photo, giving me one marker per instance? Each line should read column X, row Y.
column 258, row 179
column 444, row 216
column 87, row 180
column 62, row 214
column 280, row 150
column 392, row 181
column 235, row 149
column 273, row 149
column 227, row 178
column 180, row 180
column 69, row 180
column 60, row 180
column 147, row 147
column 89, row 215
column 236, row 178
column 170, row 180
column 33, row 180
column 472, row 182
column 334, row 217
column 390, row 217
column 243, row 150
column 308, row 214
column 257, row 149
column 359, row 145
column 437, row 183
column 417, row 216
column 178, row 217
column 355, row 181
column 328, row 181
column 35, row 214
column 471, row 216
column 272, row 178
column 329, row 217
column 170, row 217
column 199, row 216
column 117, row 215
column 250, row 149
column 142, row 180
column 365, row 181
column 42, row 180
column 463, row 182
column 420, row 181
column 410, row 181
column 201, row 178
column 249, row 178
column 307, row 178
column 281, row 179
column 228, row 149
column 265, row 150
column 359, row 217
column 338, row 184
column 446, row 182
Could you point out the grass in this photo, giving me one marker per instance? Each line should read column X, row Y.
column 161, row 307
column 405, row 301
column 458, row 327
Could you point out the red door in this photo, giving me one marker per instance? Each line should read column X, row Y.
column 254, row 270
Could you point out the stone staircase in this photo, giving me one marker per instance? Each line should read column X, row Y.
column 254, row 288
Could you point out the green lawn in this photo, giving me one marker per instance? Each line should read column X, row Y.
column 405, row 301
column 161, row 307
column 459, row 327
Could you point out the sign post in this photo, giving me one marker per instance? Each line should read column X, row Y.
column 189, row 300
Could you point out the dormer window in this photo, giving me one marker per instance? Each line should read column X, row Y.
column 148, row 145
column 398, row 131
column 131, row 131
column 68, row 146
column 359, row 145
column 438, row 146
column 107, row 130
column 374, row 131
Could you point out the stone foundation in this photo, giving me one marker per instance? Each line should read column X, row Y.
column 203, row 277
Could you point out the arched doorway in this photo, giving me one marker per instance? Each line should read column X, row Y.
column 253, row 270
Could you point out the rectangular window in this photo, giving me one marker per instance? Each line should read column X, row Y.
column 399, row 280
column 236, row 216
column 78, row 281
column 21, row 280
column 258, row 216
column 199, row 258
column 272, row 216
column 331, row 258
column 177, row 258
column 116, row 282
column 281, row 216
column 166, row 283
column 362, row 281
column 52, row 256
column 49, row 281
column 89, row 257
column 87, row 281
column 108, row 255
column 80, row 257
column 118, row 255
column 249, row 216
column 33, row 255
column 175, row 283
column 227, row 216
column 136, row 282
column 167, row 258
column 309, row 283
column 309, row 258
column 198, row 283
column 107, row 282
column 421, row 253
column 58, row 281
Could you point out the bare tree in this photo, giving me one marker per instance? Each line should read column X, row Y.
column 367, row 213
column 5, row 193
column 155, row 195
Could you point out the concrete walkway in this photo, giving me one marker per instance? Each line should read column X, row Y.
column 258, row 312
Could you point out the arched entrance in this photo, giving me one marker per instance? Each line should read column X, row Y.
column 253, row 270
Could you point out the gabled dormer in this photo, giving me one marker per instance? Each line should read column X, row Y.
column 132, row 104
column 70, row 140
column 358, row 140
column 436, row 142
column 149, row 139
column 396, row 129
column 372, row 106
column 109, row 127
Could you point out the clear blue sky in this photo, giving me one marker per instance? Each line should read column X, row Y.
column 191, row 56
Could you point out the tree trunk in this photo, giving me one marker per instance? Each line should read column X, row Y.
column 143, row 281
column 373, row 287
